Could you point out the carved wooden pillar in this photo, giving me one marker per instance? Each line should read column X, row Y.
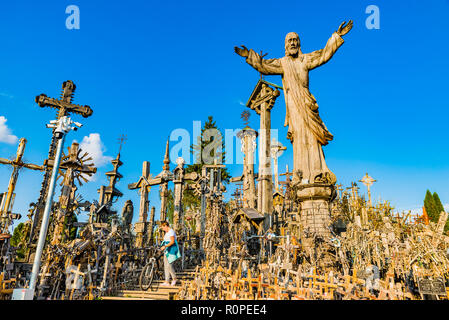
column 262, row 101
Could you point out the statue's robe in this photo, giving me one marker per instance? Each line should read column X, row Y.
column 306, row 131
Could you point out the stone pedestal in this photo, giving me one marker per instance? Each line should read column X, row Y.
column 314, row 209
column 315, row 219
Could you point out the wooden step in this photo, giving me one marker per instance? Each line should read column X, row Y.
column 153, row 296
column 124, row 298
column 156, row 291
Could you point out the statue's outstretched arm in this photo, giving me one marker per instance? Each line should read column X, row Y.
column 267, row 67
column 320, row 57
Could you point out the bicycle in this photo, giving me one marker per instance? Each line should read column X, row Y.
column 151, row 271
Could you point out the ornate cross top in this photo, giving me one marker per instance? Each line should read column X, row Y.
column 368, row 182
column 245, row 115
column 64, row 105
column 78, row 162
column 121, row 140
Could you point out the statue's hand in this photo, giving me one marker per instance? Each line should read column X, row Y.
column 242, row 52
column 342, row 30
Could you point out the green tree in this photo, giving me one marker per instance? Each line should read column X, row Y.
column 70, row 230
column 438, row 205
column 205, row 149
column 440, row 208
column 17, row 240
column 431, row 207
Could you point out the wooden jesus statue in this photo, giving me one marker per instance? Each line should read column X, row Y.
column 306, row 130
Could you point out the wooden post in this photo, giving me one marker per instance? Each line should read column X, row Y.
column 262, row 101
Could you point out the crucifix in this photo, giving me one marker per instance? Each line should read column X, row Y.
column 277, row 149
column 202, row 189
column 65, row 107
column 248, row 139
column 238, row 195
column 354, row 193
column 339, row 190
column 17, row 164
column 287, row 182
column 208, row 186
column 179, row 178
column 368, row 182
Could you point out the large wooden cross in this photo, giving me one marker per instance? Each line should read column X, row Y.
column 287, row 182
column 17, row 164
column 144, row 185
column 65, row 107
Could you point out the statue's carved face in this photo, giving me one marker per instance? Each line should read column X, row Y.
column 292, row 44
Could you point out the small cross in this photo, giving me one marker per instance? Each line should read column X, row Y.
column 368, row 182
column 245, row 116
column 121, row 140
column 339, row 189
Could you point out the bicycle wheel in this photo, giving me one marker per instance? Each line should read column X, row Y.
column 147, row 275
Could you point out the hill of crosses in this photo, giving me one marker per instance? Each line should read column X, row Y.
column 293, row 235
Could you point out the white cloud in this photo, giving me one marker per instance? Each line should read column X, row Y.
column 446, row 207
column 6, row 95
column 5, row 132
column 95, row 147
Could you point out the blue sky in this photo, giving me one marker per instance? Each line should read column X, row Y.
column 149, row 67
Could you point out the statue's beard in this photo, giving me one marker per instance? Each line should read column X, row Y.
column 293, row 52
